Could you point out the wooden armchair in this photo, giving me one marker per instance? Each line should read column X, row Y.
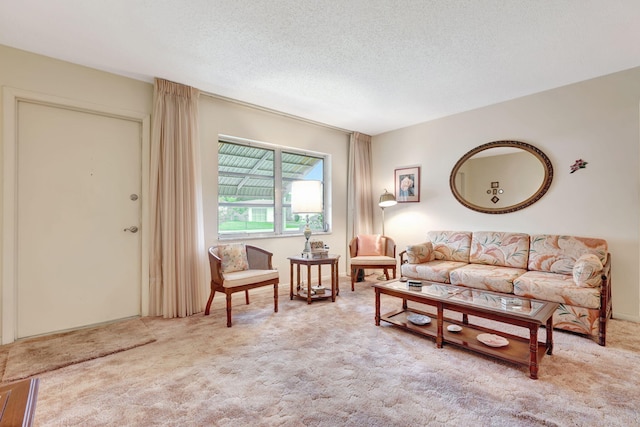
column 251, row 269
column 372, row 251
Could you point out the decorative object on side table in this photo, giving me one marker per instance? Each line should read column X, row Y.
column 306, row 199
column 318, row 249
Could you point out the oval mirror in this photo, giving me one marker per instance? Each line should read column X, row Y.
column 501, row 177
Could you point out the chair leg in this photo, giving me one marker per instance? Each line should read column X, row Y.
column 213, row 292
column 246, row 296
column 275, row 298
column 354, row 272
column 228, row 310
column 386, row 274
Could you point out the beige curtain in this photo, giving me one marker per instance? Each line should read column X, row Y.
column 177, row 261
column 360, row 195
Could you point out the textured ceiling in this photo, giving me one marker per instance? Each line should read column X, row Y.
column 364, row 65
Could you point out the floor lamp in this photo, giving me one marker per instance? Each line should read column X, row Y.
column 386, row 200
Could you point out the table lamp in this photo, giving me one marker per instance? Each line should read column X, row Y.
column 306, row 199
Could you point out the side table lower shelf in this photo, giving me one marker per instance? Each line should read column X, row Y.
column 303, row 295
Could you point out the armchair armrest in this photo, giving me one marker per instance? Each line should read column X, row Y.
column 216, row 267
column 389, row 247
column 353, row 247
column 259, row 259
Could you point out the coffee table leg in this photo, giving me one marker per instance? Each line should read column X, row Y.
column 440, row 330
column 533, row 351
column 377, row 319
column 550, row 335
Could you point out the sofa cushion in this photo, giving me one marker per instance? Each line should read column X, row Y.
column 556, row 288
column 369, row 244
column 558, row 254
column 433, row 271
column 490, row 277
column 450, row 245
column 417, row 254
column 587, row 271
column 500, row 248
column 233, row 257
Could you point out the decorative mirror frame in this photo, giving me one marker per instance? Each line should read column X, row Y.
column 546, row 182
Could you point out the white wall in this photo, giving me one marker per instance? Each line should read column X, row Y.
column 596, row 120
column 221, row 117
column 36, row 73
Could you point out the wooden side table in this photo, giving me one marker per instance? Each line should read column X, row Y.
column 331, row 260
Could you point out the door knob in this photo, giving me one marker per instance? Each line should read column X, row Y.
column 132, row 229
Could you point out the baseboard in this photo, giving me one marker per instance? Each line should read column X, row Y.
column 627, row 317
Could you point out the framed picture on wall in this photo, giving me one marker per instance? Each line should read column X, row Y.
column 407, row 184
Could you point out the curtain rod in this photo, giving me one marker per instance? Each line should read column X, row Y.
column 279, row 113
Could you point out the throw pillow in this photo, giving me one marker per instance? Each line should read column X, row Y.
column 586, row 271
column 369, row 245
column 234, row 257
column 417, row 254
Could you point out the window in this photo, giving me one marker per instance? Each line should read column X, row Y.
column 254, row 188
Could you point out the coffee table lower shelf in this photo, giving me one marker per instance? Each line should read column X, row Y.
column 517, row 351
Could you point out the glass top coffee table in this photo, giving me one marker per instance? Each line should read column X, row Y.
column 508, row 309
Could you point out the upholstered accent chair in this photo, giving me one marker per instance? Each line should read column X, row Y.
column 239, row 267
column 372, row 251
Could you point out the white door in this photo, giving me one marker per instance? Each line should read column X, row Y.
column 77, row 175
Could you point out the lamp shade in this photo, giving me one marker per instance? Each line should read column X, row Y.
column 387, row 199
column 306, row 197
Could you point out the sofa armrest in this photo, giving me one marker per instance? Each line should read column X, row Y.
column 402, row 257
column 606, row 308
column 606, row 269
column 259, row 259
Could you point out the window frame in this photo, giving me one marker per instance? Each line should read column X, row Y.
column 279, row 205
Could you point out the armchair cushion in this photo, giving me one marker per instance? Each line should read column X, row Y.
column 587, row 271
column 374, row 260
column 369, row 245
column 246, row 277
column 417, row 254
column 233, row 257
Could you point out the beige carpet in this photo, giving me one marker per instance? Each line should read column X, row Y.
column 327, row 364
column 29, row 357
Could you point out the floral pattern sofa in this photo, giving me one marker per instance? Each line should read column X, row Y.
column 572, row 271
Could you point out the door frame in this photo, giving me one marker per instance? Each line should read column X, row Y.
column 11, row 98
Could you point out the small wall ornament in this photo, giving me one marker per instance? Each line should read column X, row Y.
column 579, row 164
